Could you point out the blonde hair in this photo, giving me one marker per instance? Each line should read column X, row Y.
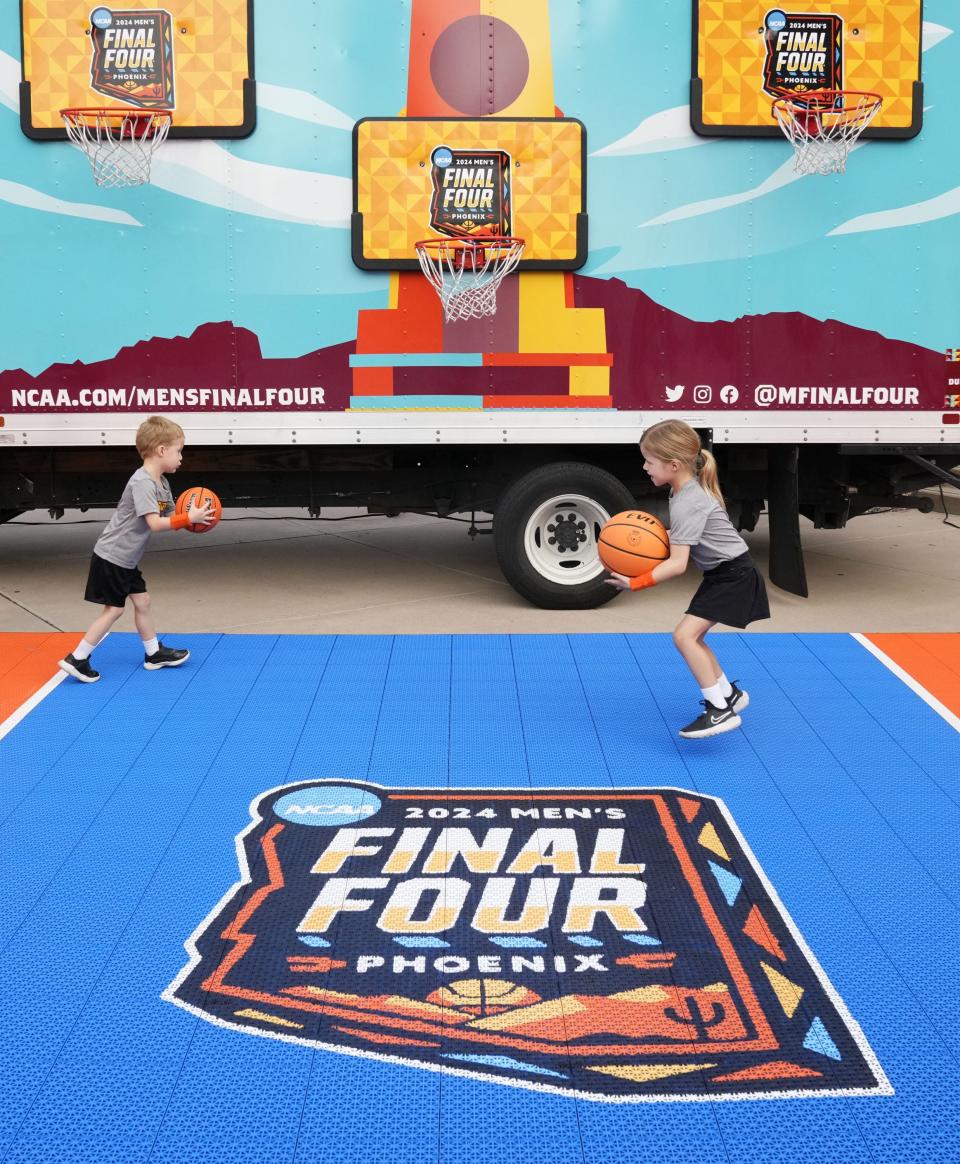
column 156, row 431
column 673, row 440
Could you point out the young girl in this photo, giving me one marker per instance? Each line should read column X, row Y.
column 732, row 590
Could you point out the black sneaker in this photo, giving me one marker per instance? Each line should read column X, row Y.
column 79, row 669
column 713, row 722
column 164, row 657
column 737, row 700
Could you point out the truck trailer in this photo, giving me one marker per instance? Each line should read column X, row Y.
column 238, row 250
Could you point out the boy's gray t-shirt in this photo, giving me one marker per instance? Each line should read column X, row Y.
column 699, row 521
column 125, row 539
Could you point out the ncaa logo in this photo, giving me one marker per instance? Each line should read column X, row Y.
column 776, row 20
column 327, row 806
column 619, row 945
column 101, row 18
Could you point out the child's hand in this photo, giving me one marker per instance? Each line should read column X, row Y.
column 200, row 514
column 618, row 581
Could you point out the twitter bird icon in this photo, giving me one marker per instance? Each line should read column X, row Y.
column 674, row 394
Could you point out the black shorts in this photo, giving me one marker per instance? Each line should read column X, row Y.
column 733, row 593
column 110, row 585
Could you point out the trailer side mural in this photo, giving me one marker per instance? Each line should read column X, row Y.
column 807, row 326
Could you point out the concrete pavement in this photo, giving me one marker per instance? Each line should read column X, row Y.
column 266, row 571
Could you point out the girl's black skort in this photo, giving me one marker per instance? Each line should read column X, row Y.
column 111, row 585
column 733, row 593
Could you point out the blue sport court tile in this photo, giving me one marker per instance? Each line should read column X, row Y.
column 128, row 851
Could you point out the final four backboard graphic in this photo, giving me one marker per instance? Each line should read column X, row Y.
column 623, row 946
column 193, row 58
column 419, row 177
column 746, row 53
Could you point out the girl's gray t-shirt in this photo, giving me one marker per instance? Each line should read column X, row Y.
column 699, row 521
column 125, row 539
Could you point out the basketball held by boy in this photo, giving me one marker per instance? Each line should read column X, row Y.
column 732, row 591
column 145, row 507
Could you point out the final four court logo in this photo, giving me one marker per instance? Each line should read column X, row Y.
column 620, row 945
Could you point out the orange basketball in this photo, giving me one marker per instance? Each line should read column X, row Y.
column 632, row 543
column 198, row 495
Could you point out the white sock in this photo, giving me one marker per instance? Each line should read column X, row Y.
column 151, row 646
column 726, row 687
column 714, row 696
column 83, row 650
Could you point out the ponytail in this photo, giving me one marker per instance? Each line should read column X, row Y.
column 707, row 475
column 675, row 440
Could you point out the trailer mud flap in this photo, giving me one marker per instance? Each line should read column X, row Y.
column 786, row 552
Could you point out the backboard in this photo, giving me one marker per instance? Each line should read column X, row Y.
column 419, row 178
column 746, row 53
column 193, row 58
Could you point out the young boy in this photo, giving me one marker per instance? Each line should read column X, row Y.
column 145, row 507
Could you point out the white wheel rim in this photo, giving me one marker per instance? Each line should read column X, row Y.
column 549, row 542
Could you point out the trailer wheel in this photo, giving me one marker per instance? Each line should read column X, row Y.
column 545, row 534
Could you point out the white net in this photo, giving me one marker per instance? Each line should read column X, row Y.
column 466, row 273
column 824, row 126
column 118, row 143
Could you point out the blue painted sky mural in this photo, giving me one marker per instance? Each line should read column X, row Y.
column 257, row 231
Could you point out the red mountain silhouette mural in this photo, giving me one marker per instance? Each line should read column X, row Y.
column 653, row 346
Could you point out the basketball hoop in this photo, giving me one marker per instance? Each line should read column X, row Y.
column 824, row 125
column 119, row 143
column 466, row 272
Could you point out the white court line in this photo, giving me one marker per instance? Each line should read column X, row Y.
column 25, row 708
column 930, row 700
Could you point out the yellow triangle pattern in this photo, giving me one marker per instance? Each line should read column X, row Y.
column 884, row 56
column 788, row 993
column 210, row 58
column 709, row 839
column 394, row 183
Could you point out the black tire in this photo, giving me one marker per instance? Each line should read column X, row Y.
column 518, row 505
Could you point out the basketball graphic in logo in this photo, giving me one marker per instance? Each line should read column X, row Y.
column 483, row 996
